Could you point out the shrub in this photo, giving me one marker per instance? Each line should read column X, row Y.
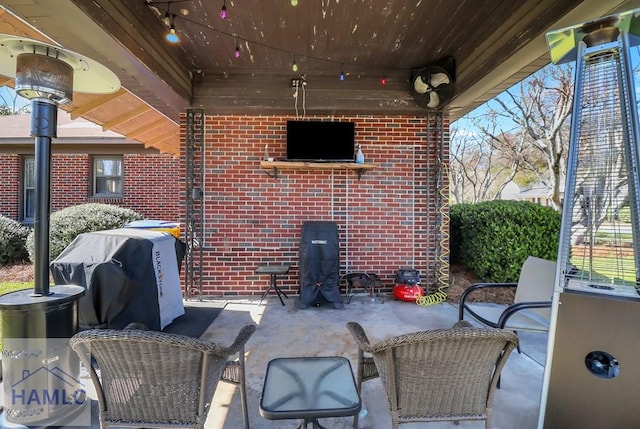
column 13, row 237
column 456, row 214
column 66, row 224
column 495, row 237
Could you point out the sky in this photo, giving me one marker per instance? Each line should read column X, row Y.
column 7, row 95
column 465, row 124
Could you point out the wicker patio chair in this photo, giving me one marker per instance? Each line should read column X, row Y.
column 157, row 380
column 437, row 375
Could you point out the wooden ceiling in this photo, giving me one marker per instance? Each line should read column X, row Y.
column 495, row 44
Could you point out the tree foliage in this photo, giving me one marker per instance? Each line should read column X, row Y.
column 524, row 134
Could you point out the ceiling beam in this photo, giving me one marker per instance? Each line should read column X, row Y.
column 126, row 117
column 145, row 129
column 98, row 101
column 162, row 141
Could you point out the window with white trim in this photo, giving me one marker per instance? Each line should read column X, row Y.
column 28, row 194
column 107, row 176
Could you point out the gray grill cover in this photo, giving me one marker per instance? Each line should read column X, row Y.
column 130, row 275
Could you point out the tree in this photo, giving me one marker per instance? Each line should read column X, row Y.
column 540, row 108
column 478, row 173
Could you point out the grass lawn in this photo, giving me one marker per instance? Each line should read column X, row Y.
column 6, row 287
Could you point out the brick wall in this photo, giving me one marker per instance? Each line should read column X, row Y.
column 9, row 185
column 151, row 184
column 388, row 219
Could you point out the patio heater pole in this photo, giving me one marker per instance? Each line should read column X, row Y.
column 44, row 120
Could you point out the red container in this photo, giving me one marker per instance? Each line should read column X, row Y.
column 405, row 292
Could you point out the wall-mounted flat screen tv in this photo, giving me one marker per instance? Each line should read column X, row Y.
column 320, row 141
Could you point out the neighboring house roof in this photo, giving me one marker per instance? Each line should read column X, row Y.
column 12, row 126
column 73, row 136
column 538, row 190
column 511, row 191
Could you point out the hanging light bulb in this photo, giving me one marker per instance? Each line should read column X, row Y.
column 383, row 81
column 294, row 2
column 342, row 75
column 171, row 36
column 294, row 66
column 223, row 11
column 237, row 52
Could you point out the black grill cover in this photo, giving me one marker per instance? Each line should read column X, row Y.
column 130, row 275
column 319, row 264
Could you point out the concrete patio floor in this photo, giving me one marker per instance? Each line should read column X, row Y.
column 284, row 331
column 320, row 331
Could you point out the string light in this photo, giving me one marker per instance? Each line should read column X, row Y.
column 223, row 10
column 294, row 2
column 171, row 36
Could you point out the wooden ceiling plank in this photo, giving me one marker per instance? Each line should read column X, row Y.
column 125, row 117
column 5, row 81
column 95, row 103
column 146, row 128
column 158, row 141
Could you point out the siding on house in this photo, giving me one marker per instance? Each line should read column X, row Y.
column 387, row 220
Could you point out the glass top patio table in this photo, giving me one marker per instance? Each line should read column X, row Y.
column 309, row 388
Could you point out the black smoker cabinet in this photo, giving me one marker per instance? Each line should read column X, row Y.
column 319, row 264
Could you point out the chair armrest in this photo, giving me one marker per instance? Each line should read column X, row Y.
column 479, row 286
column 513, row 309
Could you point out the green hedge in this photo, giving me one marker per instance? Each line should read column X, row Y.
column 494, row 238
column 12, row 241
column 66, row 224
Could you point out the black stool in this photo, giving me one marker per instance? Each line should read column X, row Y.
column 273, row 271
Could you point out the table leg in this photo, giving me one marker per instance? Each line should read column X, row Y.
column 314, row 422
column 273, row 285
column 278, row 291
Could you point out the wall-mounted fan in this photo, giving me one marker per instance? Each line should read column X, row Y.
column 432, row 86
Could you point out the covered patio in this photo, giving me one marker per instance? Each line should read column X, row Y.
column 240, row 218
column 322, row 331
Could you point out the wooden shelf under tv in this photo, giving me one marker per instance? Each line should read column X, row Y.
column 275, row 166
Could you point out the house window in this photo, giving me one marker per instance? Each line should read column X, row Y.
column 28, row 202
column 107, row 176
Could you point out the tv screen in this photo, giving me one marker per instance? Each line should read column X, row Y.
column 320, row 141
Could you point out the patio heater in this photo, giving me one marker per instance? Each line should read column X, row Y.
column 593, row 357
column 40, row 371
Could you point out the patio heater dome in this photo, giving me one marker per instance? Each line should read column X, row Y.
column 43, row 70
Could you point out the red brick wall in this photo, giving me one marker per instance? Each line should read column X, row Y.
column 9, row 185
column 151, row 184
column 386, row 220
